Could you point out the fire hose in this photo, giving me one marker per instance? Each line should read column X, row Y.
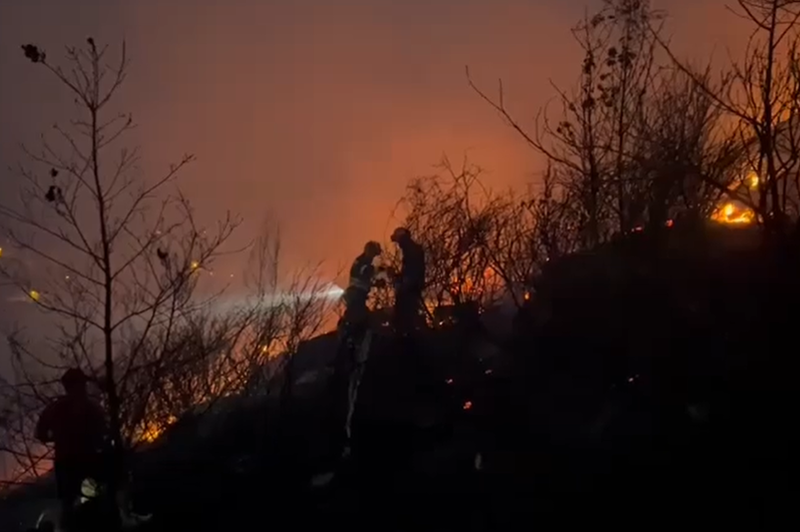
column 360, row 352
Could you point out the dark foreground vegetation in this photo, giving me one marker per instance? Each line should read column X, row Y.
column 621, row 398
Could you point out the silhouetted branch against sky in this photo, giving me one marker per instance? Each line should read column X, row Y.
column 117, row 260
column 633, row 144
column 112, row 255
column 758, row 94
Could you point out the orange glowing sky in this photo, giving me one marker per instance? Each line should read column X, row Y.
column 315, row 112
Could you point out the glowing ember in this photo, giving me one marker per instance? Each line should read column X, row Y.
column 34, row 295
column 467, row 405
column 194, row 265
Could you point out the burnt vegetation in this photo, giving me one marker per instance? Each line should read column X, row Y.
column 606, row 345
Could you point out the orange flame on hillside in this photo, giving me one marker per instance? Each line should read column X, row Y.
column 731, row 213
column 152, row 431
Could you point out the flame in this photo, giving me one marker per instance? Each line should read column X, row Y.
column 195, row 265
column 150, row 434
column 34, row 295
column 729, row 213
column 152, row 430
column 752, row 180
column 473, row 285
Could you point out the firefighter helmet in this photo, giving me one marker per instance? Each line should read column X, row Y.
column 400, row 233
column 373, row 248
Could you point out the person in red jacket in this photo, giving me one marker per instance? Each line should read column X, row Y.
column 75, row 425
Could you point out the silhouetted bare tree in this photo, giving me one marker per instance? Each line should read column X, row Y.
column 635, row 142
column 683, row 151
column 759, row 96
column 453, row 216
column 112, row 257
column 591, row 145
column 213, row 356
